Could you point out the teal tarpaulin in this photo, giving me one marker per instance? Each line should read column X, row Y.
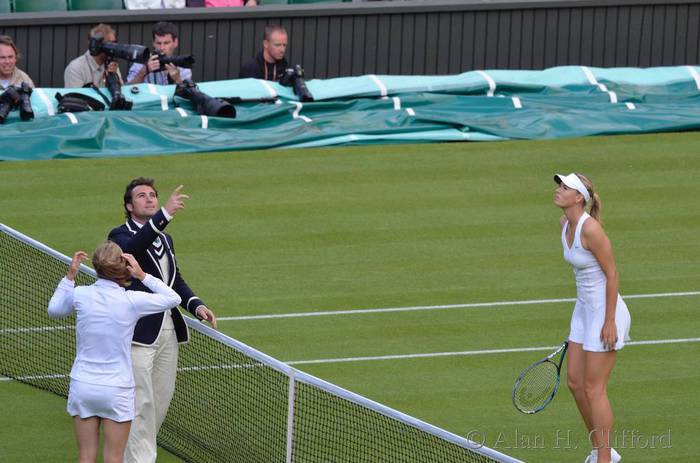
column 559, row 102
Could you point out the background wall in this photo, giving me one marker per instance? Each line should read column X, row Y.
column 412, row 37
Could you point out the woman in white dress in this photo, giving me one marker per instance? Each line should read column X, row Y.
column 102, row 384
column 600, row 322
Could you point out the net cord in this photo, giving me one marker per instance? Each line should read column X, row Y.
column 294, row 374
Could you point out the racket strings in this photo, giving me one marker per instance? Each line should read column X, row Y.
column 536, row 386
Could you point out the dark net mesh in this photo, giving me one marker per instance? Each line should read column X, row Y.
column 228, row 405
column 332, row 428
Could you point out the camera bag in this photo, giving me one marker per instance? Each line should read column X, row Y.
column 77, row 102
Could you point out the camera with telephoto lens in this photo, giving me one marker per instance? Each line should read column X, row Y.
column 184, row 61
column 294, row 77
column 203, row 103
column 16, row 98
column 114, row 50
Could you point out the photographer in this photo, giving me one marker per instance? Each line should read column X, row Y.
column 165, row 42
column 87, row 69
column 269, row 64
column 9, row 74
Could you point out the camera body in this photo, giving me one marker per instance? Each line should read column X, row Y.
column 294, row 77
column 184, row 61
column 16, row 98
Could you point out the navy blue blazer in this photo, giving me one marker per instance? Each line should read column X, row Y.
column 147, row 244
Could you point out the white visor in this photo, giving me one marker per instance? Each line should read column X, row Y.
column 573, row 182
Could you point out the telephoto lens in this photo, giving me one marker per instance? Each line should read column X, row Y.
column 126, row 51
column 25, row 103
column 8, row 101
column 203, row 103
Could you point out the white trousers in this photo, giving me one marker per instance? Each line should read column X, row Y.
column 155, row 368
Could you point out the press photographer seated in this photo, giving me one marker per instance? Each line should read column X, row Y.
column 87, row 69
column 154, row 71
column 9, row 74
column 268, row 64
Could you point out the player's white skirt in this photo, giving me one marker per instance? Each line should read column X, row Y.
column 86, row 400
column 588, row 319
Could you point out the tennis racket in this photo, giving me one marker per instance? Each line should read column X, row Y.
column 538, row 383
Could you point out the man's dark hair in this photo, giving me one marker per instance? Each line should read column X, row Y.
column 271, row 29
column 164, row 28
column 130, row 188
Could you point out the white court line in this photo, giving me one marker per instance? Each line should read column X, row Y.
column 391, row 309
column 442, row 307
column 473, row 352
column 390, row 357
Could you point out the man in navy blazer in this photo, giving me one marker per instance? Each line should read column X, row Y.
column 156, row 337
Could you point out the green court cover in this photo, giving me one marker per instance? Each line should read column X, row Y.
column 569, row 101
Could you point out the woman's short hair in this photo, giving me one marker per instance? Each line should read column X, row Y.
column 110, row 265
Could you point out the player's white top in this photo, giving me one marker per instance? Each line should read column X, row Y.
column 586, row 267
column 106, row 317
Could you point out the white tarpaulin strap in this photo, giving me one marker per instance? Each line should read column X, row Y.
column 296, row 112
column 696, row 76
column 205, row 122
column 71, row 117
column 380, row 84
column 45, row 99
column 163, row 99
column 269, row 89
column 593, row 81
column 490, row 81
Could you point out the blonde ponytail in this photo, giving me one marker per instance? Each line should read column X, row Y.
column 595, row 205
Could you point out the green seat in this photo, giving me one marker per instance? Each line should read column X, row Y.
column 273, row 2
column 95, row 4
column 5, row 6
column 22, row 6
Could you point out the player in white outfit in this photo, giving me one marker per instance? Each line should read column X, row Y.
column 600, row 322
column 102, row 382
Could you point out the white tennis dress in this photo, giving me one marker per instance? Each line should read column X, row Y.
column 102, row 380
column 589, row 313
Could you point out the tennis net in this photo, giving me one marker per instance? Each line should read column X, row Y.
column 232, row 402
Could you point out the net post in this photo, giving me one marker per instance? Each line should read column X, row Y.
column 290, row 414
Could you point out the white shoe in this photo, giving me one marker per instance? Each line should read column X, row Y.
column 593, row 456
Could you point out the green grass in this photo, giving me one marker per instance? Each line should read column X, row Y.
column 405, row 225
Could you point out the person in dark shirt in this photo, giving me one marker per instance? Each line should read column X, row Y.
column 268, row 64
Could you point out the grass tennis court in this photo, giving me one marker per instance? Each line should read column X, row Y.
column 280, row 232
